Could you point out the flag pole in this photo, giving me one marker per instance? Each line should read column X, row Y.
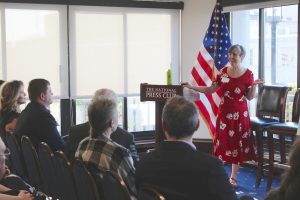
column 215, row 39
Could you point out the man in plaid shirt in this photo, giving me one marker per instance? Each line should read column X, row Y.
column 98, row 149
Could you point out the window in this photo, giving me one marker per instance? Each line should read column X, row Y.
column 245, row 31
column 34, row 43
column 281, row 45
column 94, row 47
column 280, row 25
column 120, row 48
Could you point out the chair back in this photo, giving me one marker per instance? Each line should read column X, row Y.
column 296, row 106
column 114, row 187
column 47, row 170
column 16, row 156
column 149, row 193
column 31, row 162
column 66, row 183
column 271, row 101
column 84, row 182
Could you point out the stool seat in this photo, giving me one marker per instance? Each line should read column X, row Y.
column 287, row 126
column 258, row 121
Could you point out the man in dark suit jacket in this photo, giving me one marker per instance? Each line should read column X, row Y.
column 81, row 131
column 35, row 120
column 176, row 168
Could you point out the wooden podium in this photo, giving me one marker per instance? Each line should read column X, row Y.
column 160, row 94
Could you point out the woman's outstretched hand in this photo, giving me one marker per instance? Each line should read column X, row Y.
column 258, row 81
column 186, row 84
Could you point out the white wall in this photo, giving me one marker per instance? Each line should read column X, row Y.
column 195, row 20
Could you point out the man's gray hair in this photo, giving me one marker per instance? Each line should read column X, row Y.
column 106, row 94
column 180, row 117
column 100, row 113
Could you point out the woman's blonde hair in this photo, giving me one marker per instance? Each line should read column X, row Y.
column 9, row 95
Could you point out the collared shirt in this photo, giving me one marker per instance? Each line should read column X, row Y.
column 187, row 142
column 108, row 155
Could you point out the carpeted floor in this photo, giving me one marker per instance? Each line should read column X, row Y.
column 246, row 182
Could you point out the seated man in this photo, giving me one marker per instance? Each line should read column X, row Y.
column 176, row 168
column 98, row 149
column 81, row 131
column 35, row 120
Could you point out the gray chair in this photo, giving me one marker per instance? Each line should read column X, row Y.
column 85, row 183
column 66, row 183
column 32, row 163
column 114, row 187
column 149, row 193
column 48, row 172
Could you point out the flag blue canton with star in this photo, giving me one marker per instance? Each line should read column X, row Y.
column 217, row 38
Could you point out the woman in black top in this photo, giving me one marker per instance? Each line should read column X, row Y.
column 12, row 95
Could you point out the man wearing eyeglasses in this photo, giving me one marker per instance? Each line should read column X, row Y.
column 5, row 192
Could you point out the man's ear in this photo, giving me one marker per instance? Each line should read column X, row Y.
column 164, row 128
column 42, row 96
column 198, row 125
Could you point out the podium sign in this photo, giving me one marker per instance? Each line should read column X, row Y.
column 160, row 94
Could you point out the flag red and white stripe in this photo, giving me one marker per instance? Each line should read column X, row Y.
column 210, row 59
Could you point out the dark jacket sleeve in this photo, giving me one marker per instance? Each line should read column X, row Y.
column 133, row 151
column 126, row 139
column 219, row 183
column 50, row 133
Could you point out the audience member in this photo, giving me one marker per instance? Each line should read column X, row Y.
column 12, row 95
column 81, row 131
column 176, row 168
column 35, row 120
column 6, row 193
column 98, row 149
column 289, row 187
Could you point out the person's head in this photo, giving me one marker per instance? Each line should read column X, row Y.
column 2, row 159
column 103, row 116
column 105, row 93
column 1, row 82
column 289, row 188
column 12, row 95
column 39, row 90
column 180, row 118
column 236, row 54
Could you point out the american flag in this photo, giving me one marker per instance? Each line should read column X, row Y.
column 212, row 57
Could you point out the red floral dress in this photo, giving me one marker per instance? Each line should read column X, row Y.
column 234, row 141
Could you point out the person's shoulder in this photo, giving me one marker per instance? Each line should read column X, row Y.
column 119, row 149
column 206, row 158
column 80, row 127
column 123, row 132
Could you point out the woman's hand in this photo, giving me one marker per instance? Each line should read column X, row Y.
column 186, row 84
column 258, row 81
column 24, row 195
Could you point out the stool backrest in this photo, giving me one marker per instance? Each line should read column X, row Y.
column 271, row 101
column 296, row 106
